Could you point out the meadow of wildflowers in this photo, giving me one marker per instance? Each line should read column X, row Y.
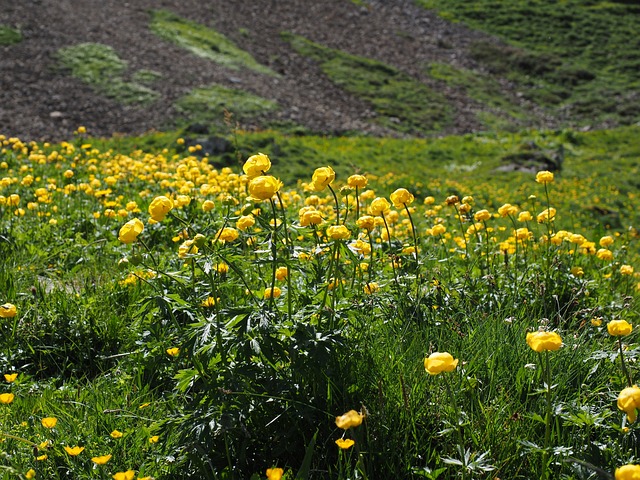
column 162, row 318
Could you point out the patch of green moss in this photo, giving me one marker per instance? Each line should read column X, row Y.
column 204, row 42
column 9, row 36
column 208, row 105
column 402, row 103
column 100, row 66
column 146, row 77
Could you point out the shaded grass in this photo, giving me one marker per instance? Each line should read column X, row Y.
column 100, row 66
column 582, row 56
column 204, row 42
column 208, row 104
column 401, row 102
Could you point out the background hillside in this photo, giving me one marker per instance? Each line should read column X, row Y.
column 392, row 67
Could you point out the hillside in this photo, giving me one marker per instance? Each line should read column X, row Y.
column 392, row 67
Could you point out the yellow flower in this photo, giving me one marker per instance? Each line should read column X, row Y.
column 544, row 341
column 209, row 302
column 379, row 206
column 116, row 434
column 482, row 215
column 322, row 177
column 366, row 222
column 222, row 268
column 130, row 231
column 281, row 273
column 173, row 352
column 159, row 208
column 371, row 288
column 8, row 310
column 256, row 165
column 49, row 422
column 604, row 254
column 208, row 205
column 345, row 444
column 41, row 458
column 619, row 328
column 245, row 221
column 309, row 216
column 507, row 209
column 547, row 215
column 268, row 293
column 525, row 216
column 154, row 439
column 73, row 451
column 439, row 362
column 227, row 234
column 349, row 420
column 359, row 181
column 577, row 271
column 628, row 472
column 128, row 475
column 452, row 200
column 544, row 177
column 6, row 398
column 629, row 401
column 606, row 241
column 596, row 322
column 264, row 187
column 10, row 377
column 626, row 270
column 274, row 473
column 101, row 460
column 338, row 232
column 31, row 473
column 401, row 197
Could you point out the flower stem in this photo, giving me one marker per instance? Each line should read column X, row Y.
column 625, row 370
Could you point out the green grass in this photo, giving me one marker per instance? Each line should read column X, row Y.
column 401, row 102
column 204, row 42
column 9, row 36
column 208, row 105
column 581, row 56
column 100, row 66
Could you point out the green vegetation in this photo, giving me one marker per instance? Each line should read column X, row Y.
column 204, row 42
column 9, row 36
column 148, row 332
column 483, row 89
column 208, row 105
column 577, row 56
column 401, row 102
column 100, row 66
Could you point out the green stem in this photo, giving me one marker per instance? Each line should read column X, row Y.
column 547, row 418
column 624, row 365
column 335, row 198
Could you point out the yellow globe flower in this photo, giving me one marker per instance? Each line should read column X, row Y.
column 544, row 341
column 628, row 472
column 349, row 420
column 264, row 187
column 525, row 216
column 544, row 177
column 547, row 215
column 626, row 270
column 507, row 209
column 101, row 460
column 6, row 398
column 619, row 328
column 629, row 402
column 322, row 177
column 359, row 181
column 154, row 439
column 439, row 362
column 227, row 234
column 116, row 434
column 606, row 241
column 256, row 165
column 73, row 451
column 282, row 273
column 401, row 197
column 10, row 377
column 49, row 422
column 31, row 473
column 604, row 254
column 245, row 222
column 274, row 473
column 159, row 208
column 173, row 352
column 338, row 232
column 482, row 215
column 208, row 205
column 8, row 310
column 345, row 444
column 309, row 216
column 379, row 206
column 128, row 475
column 366, row 222
column 275, row 293
column 130, row 231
